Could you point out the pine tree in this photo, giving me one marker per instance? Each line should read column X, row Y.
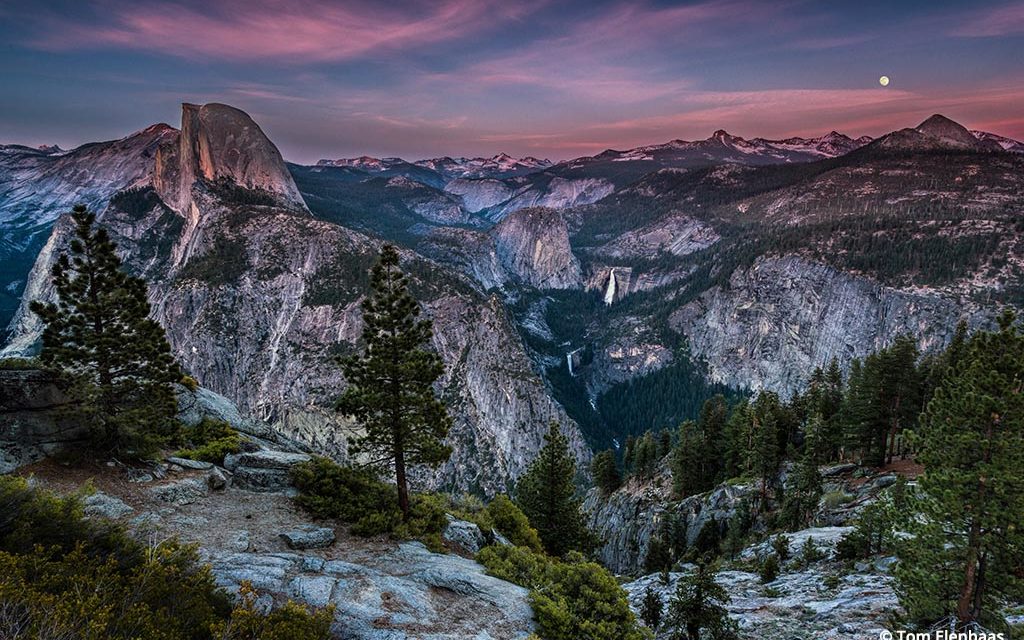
column 688, row 461
column 390, row 392
column 651, row 609
column 606, row 472
column 629, row 455
column 547, row 495
column 99, row 334
column 968, row 542
column 659, row 556
column 801, row 501
column 763, row 455
column 737, row 435
column 698, row 606
column 714, row 416
column 645, row 458
column 884, row 398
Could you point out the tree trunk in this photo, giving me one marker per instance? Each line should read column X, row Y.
column 403, row 488
column 968, row 592
column 968, row 606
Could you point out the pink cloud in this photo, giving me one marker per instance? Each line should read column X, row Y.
column 314, row 30
column 994, row 21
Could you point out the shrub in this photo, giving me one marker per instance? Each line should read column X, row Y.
column 357, row 497
column 833, row 499
column 831, row 581
column 210, row 440
column 290, row 622
column 571, row 599
column 780, row 545
column 19, row 363
column 512, row 523
column 810, row 553
column 769, row 569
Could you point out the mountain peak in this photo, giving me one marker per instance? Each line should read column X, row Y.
column 950, row 133
column 940, row 126
column 218, row 141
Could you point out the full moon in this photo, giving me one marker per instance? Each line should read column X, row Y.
column 884, row 81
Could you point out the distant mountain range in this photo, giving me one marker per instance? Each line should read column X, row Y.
column 559, row 291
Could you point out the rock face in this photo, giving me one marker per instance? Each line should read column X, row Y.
column 32, row 422
column 406, row 593
column 220, row 142
column 628, row 518
column 263, row 470
column 799, row 606
column 533, row 244
column 36, row 186
column 783, row 317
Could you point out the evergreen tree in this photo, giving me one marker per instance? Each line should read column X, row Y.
column 688, row 473
column 659, row 556
column 968, row 544
column 629, row 454
column 737, row 440
column 547, row 495
column 646, row 458
column 697, row 610
column 801, row 501
column 99, row 334
column 606, row 472
column 390, row 392
column 829, row 408
column 664, row 443
column 884, row 398
column 651, row 609
column 714, row 416
column 763, row 455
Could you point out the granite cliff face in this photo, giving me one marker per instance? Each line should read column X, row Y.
column 533, row 245
column 258, row 298
column 784, row 316
column 36, row 186
column 219, row 142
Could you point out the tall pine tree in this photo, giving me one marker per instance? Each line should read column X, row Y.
column 546, row 493
column 968, row 544
column 100, row 335
column 697, row 610
column 606, row 472
column 390, row 392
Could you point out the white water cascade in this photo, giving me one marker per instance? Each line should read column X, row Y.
column 609, row 294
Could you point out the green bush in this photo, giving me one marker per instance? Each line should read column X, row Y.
column 19, row 363
column 289, row 622
column 769, row 569
column 62, row 576
column 810, row 553
column 512, row 523
column 370, row 506
column 571, row 599
column 780, row 545
column 210, row 440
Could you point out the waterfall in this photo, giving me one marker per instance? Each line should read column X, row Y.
column 568, row 360
column 609, row 294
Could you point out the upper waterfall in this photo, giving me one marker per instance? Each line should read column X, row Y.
column 609, row 294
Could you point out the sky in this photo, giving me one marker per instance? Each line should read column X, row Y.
column 546, row 78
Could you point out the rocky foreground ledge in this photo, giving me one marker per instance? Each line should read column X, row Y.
column 381, row 589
